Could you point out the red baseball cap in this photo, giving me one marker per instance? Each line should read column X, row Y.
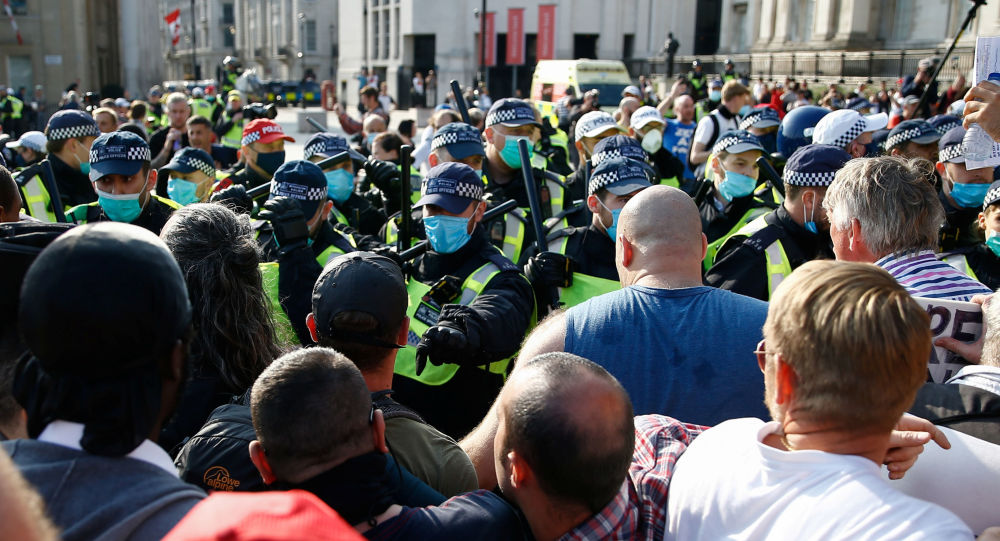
column 262, row 516
column 263, row 130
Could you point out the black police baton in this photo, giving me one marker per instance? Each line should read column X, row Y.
column 937, row 70
column 405, row 192
column 536, row 210
column 772, row 176
column 421, row 247
column 463, row 109
column 260, row 191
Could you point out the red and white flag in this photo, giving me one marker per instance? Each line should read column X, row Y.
column 174, row 25
column 13, row 24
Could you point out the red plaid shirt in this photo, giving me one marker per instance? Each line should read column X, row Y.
column 639, row 509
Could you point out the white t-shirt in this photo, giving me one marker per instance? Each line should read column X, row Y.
column 728, row 484
column 703, row 133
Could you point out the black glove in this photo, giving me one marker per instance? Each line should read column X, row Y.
column 550, row 269
column 235, row 197
column 383, row 175
column 447, row 343
column 388, row 251
column 287, row 221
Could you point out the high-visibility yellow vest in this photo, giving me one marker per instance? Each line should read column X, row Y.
column 584, row 286
column 961, row 264
column 234, row 137
column 201, row 106
column 777, row 265
column 713, row 247
column 37, row 200
column 78, row 214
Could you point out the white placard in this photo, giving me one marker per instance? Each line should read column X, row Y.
column 987, row 62
column 53, row 59
column 962, row 321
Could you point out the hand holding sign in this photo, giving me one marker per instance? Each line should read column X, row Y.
column 971, row 352
column 955, row 324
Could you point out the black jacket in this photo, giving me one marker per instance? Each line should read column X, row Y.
column 715, row 223
column 153, row 216
column 964, row 408
column 591, row 249
column 361, row 215
column 74, row 187
column 982, row 261
column 740, row 265
column 962, row 227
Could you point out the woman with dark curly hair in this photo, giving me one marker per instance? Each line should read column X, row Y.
column 234, row 333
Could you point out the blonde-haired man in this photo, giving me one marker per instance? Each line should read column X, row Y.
column 845, row 349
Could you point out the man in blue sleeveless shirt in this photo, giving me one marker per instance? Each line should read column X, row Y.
column 679, row 348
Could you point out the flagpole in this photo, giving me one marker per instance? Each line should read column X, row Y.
column 194, row 45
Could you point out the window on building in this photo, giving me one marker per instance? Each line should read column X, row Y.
column 21, row 74
column 310, row 31
column 740, row 41
column 19, row 7
column 228, row 14
column 628, row 47
column 375, row 32
column 395, row 20
column 229, row 36
column 386, row 33
column 800, row 20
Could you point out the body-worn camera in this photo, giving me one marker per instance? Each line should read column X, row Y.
column 254, row 111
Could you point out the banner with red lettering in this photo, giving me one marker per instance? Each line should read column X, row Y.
column 491, row 39
column 546, row 32
column 515, row 36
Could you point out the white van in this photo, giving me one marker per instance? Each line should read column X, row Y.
column 552, row 77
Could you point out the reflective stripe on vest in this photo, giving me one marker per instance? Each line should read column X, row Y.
column 961, row 264
column 339, row 216
column 37, row 200
column 776, row 261
column 17, row 106
column 333, row 250
column 713, row 247
column 233, row 137
column 283, row 331
column 201, row 107
column 513, row 234
column 584, row 286
column 423, row 315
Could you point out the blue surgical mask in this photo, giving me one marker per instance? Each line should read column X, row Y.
column 810, row 224
column 120, row 208
column 447, row 233
column 182, row 191
column 371, row 139
column 613, row 230
column 715, row 95
column 479, row 172
column 736, row 185
column 993, row 242
column 270, row 161
column 745, row 110
column 339, row 184
column 969, row 195
column 510, row 154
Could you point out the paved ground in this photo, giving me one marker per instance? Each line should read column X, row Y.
column 288, row 118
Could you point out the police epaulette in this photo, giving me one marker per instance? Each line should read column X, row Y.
column 497, row 258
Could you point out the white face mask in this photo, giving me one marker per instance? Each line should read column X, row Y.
column 652, row 141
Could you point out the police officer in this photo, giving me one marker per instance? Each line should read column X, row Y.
column 70, row 134
column 730, row 71
column 191, row 176
column 589, row 130
column 711, row 102
column 646, row 126
column 199, row 105
column 943, row 123
column 297, row 241
column 263, row 150
column 230, row 74
column 763, row 123
column 962, row 193
column 349, row 208
column 508, row 121
column 30, row 148
column 697, row 78
column 764, row 252
column 156, row 115
column 122, row 177
column 469, row 308
column 981, row 261
column 848, row 130
column 12, row 109
column 915, row 138
column 581, row 260
column 229, row 125
column 729, row 202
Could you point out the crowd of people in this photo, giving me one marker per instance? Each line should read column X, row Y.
column 722, row 334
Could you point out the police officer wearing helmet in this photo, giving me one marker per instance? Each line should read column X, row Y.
column 122, row 178
column 764, row 252
column 581, row 260
column 797, row 128
column 191, row 176
column 508, row 121
column 201, row 106
column 469, row 308
column 646, row 126
column 230, row 74
column 230, row 122
column 962, row 192
column 981, row 261
column 697, row 78
column 730, row 71
column 297, row 241
column 849, row 130
column 349, row 208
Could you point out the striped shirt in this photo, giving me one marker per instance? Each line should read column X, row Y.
column 924, row 276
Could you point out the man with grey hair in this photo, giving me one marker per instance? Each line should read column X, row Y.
column 885, row 211
column 172, row 137
column 969, row 401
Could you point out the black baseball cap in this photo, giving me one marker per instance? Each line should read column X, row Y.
column 360, row 282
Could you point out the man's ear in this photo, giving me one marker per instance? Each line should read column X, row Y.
column 378, row 432
column 432, row 159
column 854, row 233
column 627, row 251
column 593, row 204
column 259, row 458
column 784, row 381
column 520, row 471
column 704, row 247
column 981, row 220
column 311, row 325
column 327, row 208
column 404, row 332
column 895, row 151
column 631, row 131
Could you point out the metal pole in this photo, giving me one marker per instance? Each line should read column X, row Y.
column 482, row 44
column 968, row 21
column 194, row 44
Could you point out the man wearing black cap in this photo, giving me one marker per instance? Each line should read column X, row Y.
column 469, row 308
column 349, row 208
column 359, row 309
column 914, row 138
column 509, row 121
column 93, row 416
column 764, row 252
column 70, row 134
column 122, row 178
column 299, row 240
column 981, row 261
column 581, row 260
column 962, row 193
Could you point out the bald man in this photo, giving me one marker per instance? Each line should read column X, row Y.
column 625, row 109
column 690, row 347
column 372, row 126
